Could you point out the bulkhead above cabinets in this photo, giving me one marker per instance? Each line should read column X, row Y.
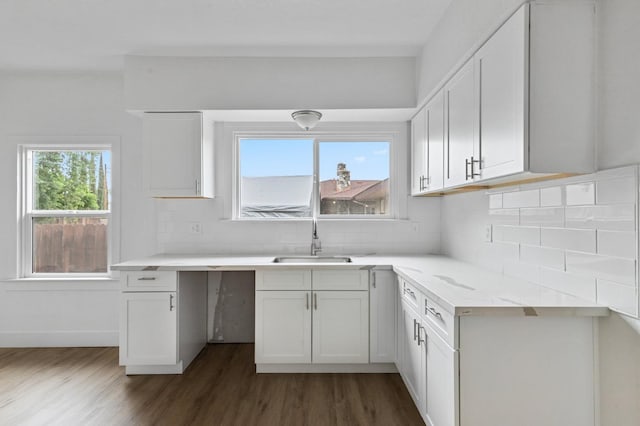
column 520, row 109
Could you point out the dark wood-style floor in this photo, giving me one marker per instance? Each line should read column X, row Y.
column 85, row 386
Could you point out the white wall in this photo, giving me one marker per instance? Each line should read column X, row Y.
column 180, row 83
column 61, row 313
column 466, row 215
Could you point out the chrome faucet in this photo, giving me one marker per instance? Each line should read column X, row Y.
column 316, row 245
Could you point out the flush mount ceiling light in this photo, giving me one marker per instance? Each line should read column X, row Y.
column 306, row 118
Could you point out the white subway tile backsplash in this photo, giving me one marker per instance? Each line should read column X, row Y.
column 517, row 234
column 551, row 197
column 622, row 271
column 616, row 191
column 620, row 298
column 617, row 217
column 530, row 198
column 524, row 271
column 504, row 216
column 545, row 216
column 570, row 239
column 495, row 201
column 565, row 282
column 529, row 235
column 580, row 194
column 617, row 243
column 547, row 257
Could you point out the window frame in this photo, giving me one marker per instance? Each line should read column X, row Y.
column 27, row 214
column 318, row 137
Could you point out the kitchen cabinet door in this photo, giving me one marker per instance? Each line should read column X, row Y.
column 419, row 153
column 283, row 327
column 178, row 155
column 461, row 143
column 148, row 328
column 382, row 302
column 501, row 84
column 413, row 357
column 441, row 389
column 435, row 143
column 340, row 327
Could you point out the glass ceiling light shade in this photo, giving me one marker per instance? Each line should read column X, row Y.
column 306, row 118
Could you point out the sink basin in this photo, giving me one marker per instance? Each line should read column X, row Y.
column 312, row 259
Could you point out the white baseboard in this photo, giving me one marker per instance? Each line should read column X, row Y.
column 154, row 369
column 50, row 339
column 327, row 368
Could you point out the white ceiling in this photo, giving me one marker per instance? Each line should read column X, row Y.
column 96, row 34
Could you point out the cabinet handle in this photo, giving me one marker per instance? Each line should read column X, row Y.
column 307, row 297
column 171, row 306
column 197, row 187
column 420, row 339
column 474, row 174
column 414, row 329
column 435, row 313
column 315, row 301
column 147, row 279
column 408, row 290
column 467, row 176
column 373, row 279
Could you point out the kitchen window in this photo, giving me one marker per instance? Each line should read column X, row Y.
column 66, row 200
column 290, row 177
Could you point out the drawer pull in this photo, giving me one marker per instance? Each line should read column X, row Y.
column 435, row 313
column 171, row 306
column 147, row 279
column 408, row 290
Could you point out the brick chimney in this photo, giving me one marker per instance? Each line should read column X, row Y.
column 344, row 177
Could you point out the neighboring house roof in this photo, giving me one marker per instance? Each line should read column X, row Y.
column 357, row 190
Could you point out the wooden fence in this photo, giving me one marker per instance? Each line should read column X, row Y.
column 76, row 247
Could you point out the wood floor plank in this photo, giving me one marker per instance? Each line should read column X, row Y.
column 85, row 386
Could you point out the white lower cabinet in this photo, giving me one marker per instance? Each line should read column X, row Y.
column 283, row 327
column 382, row 316
column 494, row 370
column 150, row 328
column 340, row 327
column 441, row 387
column 312, row 326
column 161, row 331
column 413, row 370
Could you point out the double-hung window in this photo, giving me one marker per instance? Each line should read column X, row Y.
column 298, row 177
column 67, row 210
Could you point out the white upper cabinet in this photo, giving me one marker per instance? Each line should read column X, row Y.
column 419, row 153
column 435, row 142
column 501, row 85
column 178, row 155
column 461, row 152
column 522, row 106
column 427, row 145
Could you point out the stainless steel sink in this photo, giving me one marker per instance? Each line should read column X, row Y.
column 312, row 259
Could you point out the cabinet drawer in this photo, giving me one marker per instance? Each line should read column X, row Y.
column 149, row 281
column 411, row 294
column 298, row 279
column 341, row 279
column 440, row 320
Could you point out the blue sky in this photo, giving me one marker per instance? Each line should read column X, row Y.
column 365, row 160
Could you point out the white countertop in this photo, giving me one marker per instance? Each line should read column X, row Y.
column 460, row 288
